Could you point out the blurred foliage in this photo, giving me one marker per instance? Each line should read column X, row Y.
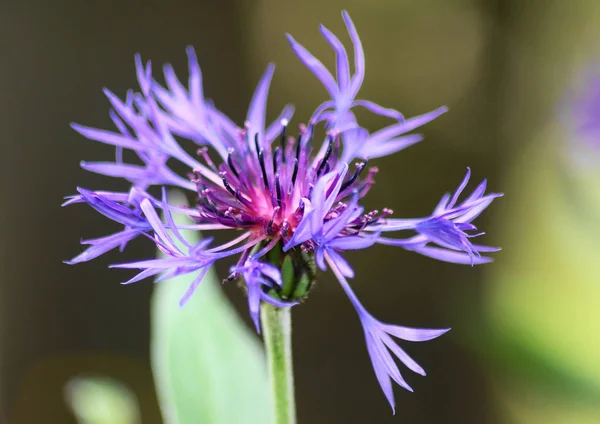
column 208, row 366
column 544, row 303
column 100, row 400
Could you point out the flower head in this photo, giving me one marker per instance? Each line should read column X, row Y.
column 292, row 203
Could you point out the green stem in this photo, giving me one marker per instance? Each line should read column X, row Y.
column 277, row 333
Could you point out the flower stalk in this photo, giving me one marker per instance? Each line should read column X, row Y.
column 277, row 334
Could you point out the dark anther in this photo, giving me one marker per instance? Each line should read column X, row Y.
column 298, row 146
column 256, row 143
column 275, row 154
column 230, row 163
column 326, row 157
column 226, row 184
column 357, row 172
column 295, row 173
column 278, row 189
column 261, row 160
column 282, row 139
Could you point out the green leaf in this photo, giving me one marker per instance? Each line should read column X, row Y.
column 208, row 366
column 100, row 400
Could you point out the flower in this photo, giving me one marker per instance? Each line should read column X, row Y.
column 582, row 106
column 293, row 205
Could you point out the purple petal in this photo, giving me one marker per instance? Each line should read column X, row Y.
column 130, row 172
column 402, row 355
column 157, row 225
column 315, row 66
column 195, row 79
column 353, row 242
column 474, row 212
column 460, row 188
column 108, row 137
column 390, row 147
column 342, row 64
column 410, row 124
column 380, row 372
column 173, row 83
column 162, row 263
column 102, row 245
column 342, row 265
column 413, row 334
column 192, row 288
column 143, row 275
column 254, row 291
column 258, row 105
column 379, row 110
column 451, row 256
column 170, row 221
column 359, row 56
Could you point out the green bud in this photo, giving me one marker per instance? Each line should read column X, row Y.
column 298, row 273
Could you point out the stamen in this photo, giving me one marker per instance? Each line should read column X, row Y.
column 359, row 168
column 326, row 157
column 203, row 151
column 275, row 155
column 256, row 143
column 295, row 173
column 226, row 184
column 261, row 161
column 230, row 163
column 270, row 224
column 278, row 189
column 284, row 123
column 298, row 145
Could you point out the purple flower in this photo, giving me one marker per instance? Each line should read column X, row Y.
column 583, row 108
column 292, row 202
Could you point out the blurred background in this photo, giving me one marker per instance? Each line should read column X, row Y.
column 525, row 339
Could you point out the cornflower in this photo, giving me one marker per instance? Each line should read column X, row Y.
column 291, row 203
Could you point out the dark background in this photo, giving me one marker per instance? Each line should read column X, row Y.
column 498, row 65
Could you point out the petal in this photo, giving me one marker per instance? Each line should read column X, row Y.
column 195, row 79
column 451, row 256
column 192, row 288
column 379, row 110
column 353, row 242
column 108, row 137
column 390, row 147
column 380, row 372
column 410, row 124
column 341, row 263
column 111, row 169
column 460, row 188
column 158, row 226
column 413, row 334
column 277, row 303
column 359, row 56
column 474, row 212
column 315, row 66
column 102, row 245
column 254, row 290
column 342, row 64
column 402, row 355
column 258, row 105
